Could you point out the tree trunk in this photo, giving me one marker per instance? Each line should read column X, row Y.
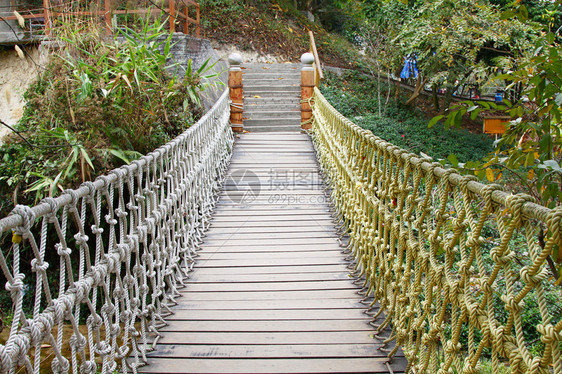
column 397, row 91
column 419, row 87
column 434, row 96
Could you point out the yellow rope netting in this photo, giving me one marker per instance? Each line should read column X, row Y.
column 417, row 235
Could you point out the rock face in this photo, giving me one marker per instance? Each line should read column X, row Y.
column 16, row 74
column 187, row 48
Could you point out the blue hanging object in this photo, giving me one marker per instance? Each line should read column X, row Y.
column 405, row 74
column 415, row 71
column 410, row 69
column 499, row 97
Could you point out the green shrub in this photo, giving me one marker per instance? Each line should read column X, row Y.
column 99, row 104
column 353, row 95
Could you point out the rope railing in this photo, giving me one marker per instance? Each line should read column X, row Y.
column 125, row 244
column 419, row 236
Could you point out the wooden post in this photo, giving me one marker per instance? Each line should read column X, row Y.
column 172, row 10
column 47, row 15
column 307, row 90
column 186, row 20
column 236, row 93
column 108, row 15
column 198, row 19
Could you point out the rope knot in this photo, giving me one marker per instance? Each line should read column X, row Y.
column 510, row 303
column 77, row 341
column 53, row 205
column 60, row 366
column 89, row 367
column 499, row 258
column 533, row 279
column 548, row 334
column 81, row 239
column 62, row 251
column 39, row 265
column 515, row 204
column 74, row 197
column 16, row 285
column 27, row 217
column 91, row 189
column 96, row 230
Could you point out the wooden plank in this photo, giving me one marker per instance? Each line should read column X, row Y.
column 266, row 262
column 226, row 242
column 269, row 315
column 185, row 303
column 249, row 228
column 267, row 326
column 197, row 277
column 250, row 255
column 245, row 235
column 267, row 351
column 244, row 338
column 229, row 211
column 290, row 295
column 269, row 248
column 269, row 192
column 268, row 366
column 271, row 269
column 299, row 221
column 272, row 286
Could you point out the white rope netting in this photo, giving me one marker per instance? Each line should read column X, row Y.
column 136, row 231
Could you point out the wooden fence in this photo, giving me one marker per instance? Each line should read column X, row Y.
column 184, row 15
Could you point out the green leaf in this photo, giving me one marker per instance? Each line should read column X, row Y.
column 453, row 160
column 87, row 157
column 434, row 120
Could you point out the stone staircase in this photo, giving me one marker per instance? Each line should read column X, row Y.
column 271, row 97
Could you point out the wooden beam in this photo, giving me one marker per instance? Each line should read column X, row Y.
column 172, row 16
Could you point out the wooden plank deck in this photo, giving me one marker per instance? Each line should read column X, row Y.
column 270, row 291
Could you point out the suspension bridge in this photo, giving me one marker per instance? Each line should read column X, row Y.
column 221, row 252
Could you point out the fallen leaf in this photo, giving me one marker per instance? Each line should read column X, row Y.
column 257, row 97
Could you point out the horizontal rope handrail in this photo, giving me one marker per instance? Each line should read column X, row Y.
column 146, row 220
column 416, row 234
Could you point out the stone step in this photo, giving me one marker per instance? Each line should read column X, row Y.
column 271, row 94
column 263, row 107
column 294, row 99
column 271, row 75
column 276, row 67
column 270, row 82
column 274, row 128
column 272, row 122
column 272, row 115
column 267, row 87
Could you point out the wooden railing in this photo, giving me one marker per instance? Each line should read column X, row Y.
column 178, row 12
column 317, row 66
